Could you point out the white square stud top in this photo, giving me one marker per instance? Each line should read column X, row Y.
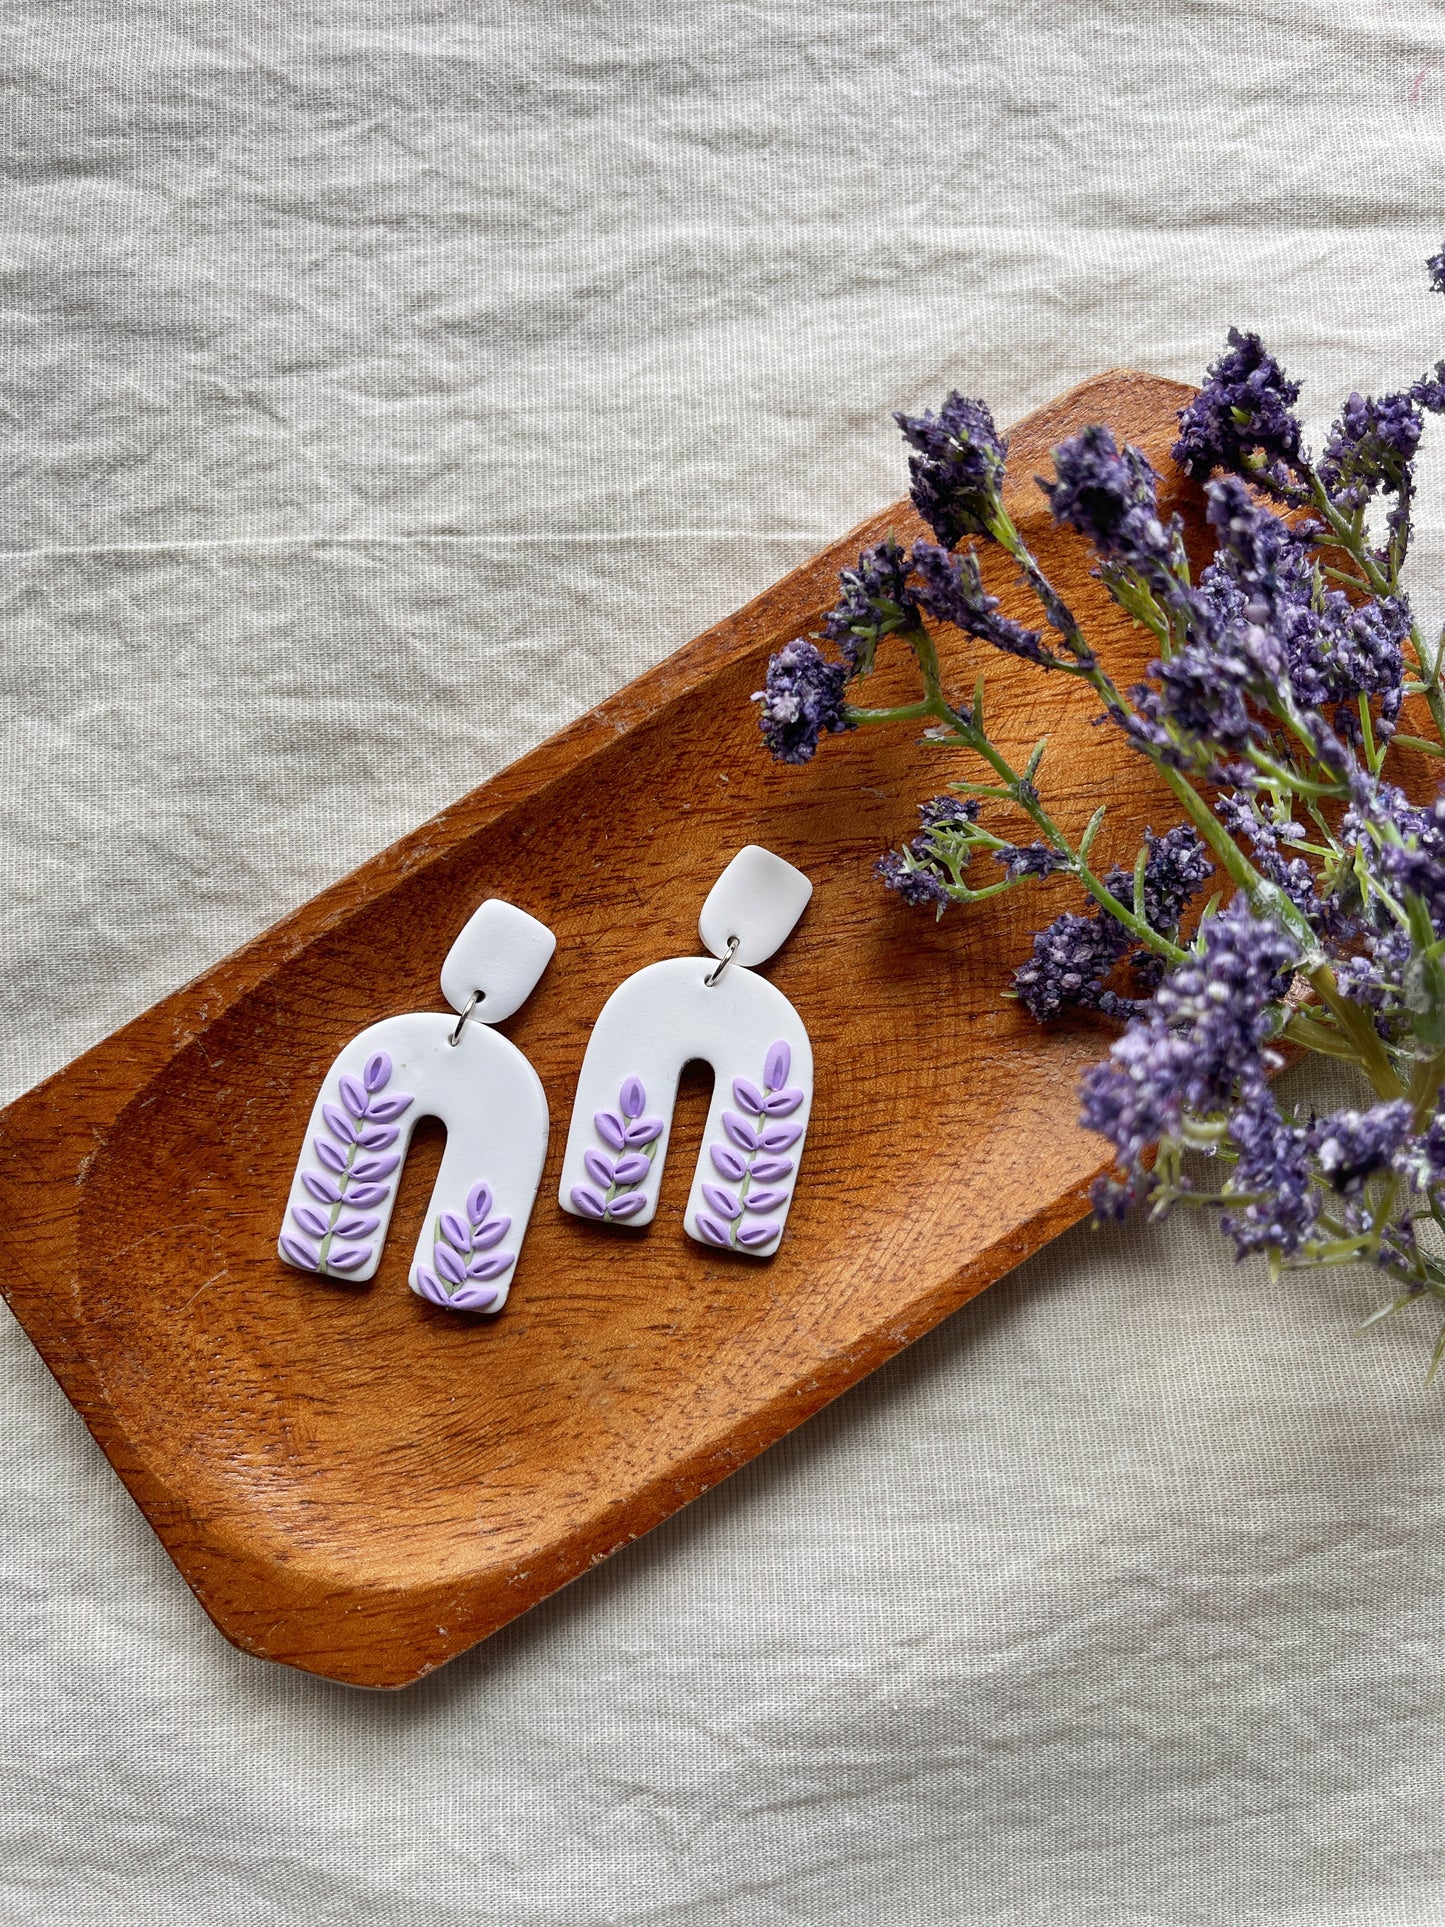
column 500, row 952
column 757, row 899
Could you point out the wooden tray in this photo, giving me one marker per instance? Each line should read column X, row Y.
column 357, row 1484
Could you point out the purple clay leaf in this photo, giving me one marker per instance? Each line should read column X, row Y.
column 378, row 1069
column 448, row 1263
column 455, row 1232
column 384, row 1109
column 321, row 1187
column 339, row 1124
column 741, row 1132
column 311, row 1221
column 748, row 1095
column 777, row 1064
column 783, row 1103
column 643, row 1131
column 715, row 1232
column 376, row 1137
column 627, row 1205
column 300, row 1253
column 479, row 1202
column 353, row 1097
column 769, row 1170
column 474, row 1298
column 601, row 1170
column 630, row 1169
column 780, row 1137
column 610, row 1129
column 431, row 1287
column 491, row 1233
column 765, row 1200
column 347, row 1257
column 373, row 1170
column 493, row 1265
column 633, row 1097
column 723, row 1202
column 728, row 1164
column 355, row 1227
column 333, row 1159
column 587, row 1201
column 753, row 1235
column 366, row 1195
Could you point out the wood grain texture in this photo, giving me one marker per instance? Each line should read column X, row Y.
column 360, row 1485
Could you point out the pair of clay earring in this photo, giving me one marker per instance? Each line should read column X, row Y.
column 495, row 1111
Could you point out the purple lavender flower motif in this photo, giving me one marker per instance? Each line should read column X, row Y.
column 1110, row 495
column 1350, row 1146
column 618, row 1176
column 876, row 602
column 1242, row 420
column 958, row 469
column 465, row 1256
column 355, row 1175
column 950, row 587
column 802, row 701
column 1436, row 265
column 751, row 1164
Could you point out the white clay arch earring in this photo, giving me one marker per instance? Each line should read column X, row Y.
column 712, row 1008
column 490, row 1099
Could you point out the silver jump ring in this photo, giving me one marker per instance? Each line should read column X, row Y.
column 711, row 978
column 472, row 1002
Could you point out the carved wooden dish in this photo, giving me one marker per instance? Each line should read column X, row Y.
column 361, row 1485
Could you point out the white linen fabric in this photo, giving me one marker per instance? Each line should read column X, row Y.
column 384, row 385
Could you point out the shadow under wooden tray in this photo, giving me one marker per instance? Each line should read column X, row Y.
column 361, row 1485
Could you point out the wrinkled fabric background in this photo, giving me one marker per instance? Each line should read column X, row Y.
column 384, row 384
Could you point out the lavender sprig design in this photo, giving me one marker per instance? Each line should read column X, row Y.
column 753, row 1156
column 465, row 1256
column 618, row 1188
column 356, row 1176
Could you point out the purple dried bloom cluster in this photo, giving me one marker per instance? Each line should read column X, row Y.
column 957, row 470
column 926, row 870
column 802, row 701
column 1074, row 957
column 876, row 601
column 1111, row 496
column 1243, row 420
column 1275, row 711
column 950, row 588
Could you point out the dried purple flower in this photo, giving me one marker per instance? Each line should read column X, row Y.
column 1199, row 1041
column 1351, row 1146
column 1069, row 963
column 1276, row 1204
column 958, row 470
column 876, row 602
column 1371, row 448
column 1242, row 419
column 802, row 701
column 1109, row 495
column 1030, row 860
column 950, row 587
